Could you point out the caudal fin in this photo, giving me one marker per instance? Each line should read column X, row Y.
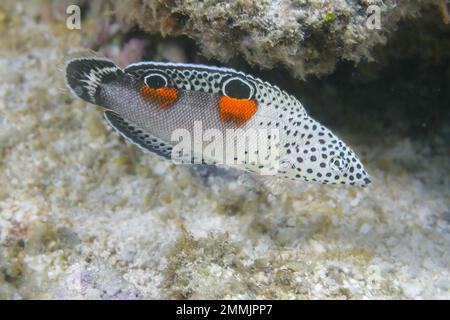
column 85, row 75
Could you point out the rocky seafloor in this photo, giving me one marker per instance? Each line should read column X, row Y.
column 83, row 215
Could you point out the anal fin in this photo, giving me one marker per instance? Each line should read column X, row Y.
column 138, row 136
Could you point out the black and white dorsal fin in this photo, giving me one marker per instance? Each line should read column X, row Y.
column 138, row 136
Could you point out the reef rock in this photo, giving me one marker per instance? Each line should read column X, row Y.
column 307, row 37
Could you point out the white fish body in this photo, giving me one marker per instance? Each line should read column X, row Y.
column 147, row 102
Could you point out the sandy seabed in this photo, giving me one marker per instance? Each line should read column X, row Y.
column 84, row 215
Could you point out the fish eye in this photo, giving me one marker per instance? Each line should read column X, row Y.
column 155, row 81
column 287, row 164
column 237, row 88
column 339, row 164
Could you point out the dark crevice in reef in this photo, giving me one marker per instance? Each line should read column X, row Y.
column 406, row 99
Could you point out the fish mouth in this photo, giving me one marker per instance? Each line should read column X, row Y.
column 366, row 181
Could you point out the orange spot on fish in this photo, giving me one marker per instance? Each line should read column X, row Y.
column 163, row 97
column 237, row 110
